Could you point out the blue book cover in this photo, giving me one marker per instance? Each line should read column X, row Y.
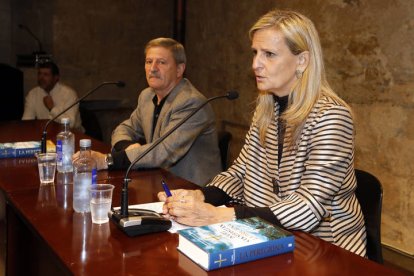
column 234, row 242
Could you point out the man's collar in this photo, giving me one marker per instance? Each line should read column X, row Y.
column 161, row 103
column 53, row 88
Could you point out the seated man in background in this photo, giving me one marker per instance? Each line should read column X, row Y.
column 51, row 97
column 191, row 151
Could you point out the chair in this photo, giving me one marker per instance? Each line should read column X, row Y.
column 224, row 139
column 90, row 122
column 369, row 194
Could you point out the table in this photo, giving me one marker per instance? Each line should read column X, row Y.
column 45, row 236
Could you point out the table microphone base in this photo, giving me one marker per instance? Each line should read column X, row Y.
column 140, row 222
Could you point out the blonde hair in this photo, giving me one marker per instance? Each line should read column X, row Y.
column 300, row 35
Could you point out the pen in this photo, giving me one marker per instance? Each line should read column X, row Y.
column 166, row 189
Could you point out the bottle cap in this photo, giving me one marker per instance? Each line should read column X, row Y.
column 65, row 120
column 85, row 143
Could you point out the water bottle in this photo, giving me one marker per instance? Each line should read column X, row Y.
column 84, row 175
column 65, row 147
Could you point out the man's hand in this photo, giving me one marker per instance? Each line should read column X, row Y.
column 48, row 102
column 99, row 158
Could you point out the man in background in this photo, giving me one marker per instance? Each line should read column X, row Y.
column 191, row 151
column 51, row 97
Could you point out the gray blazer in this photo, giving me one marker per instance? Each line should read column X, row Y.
column 191, row 151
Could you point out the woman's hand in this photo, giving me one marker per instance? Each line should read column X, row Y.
column 195, row 194
column 188, row 207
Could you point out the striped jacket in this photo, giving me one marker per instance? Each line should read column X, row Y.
column 313, row 188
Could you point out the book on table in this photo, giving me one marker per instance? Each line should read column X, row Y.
column 234, row 242
column 23, row 149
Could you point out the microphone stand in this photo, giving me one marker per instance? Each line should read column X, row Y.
column 123, row 212
column 21, row 26
column 44, row 134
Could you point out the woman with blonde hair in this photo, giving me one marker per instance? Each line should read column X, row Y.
column 296, row 168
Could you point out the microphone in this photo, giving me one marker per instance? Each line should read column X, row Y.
column 44, row 135
column 21, row 26
column 140, row 221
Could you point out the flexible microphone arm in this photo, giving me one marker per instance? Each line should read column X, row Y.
column 231, row 95
column 44, row 134
column 21, row 26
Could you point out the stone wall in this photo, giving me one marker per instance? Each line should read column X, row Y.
column 104, row 40
column 368, row 51
column 368, row 47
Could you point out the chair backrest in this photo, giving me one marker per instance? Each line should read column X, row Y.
column 224, row 139
column 90, row 123
column 369, row 194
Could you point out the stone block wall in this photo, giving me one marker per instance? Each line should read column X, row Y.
column 97, row 41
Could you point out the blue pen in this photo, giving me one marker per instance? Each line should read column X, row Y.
column 166, row 189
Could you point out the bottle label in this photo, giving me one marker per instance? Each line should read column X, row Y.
column 59, row 152
column 94, row 176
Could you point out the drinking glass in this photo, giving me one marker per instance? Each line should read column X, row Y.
column 101, row 200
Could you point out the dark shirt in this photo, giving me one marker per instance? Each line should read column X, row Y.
column 217, row 197
column 281, row 126
column 157, row 111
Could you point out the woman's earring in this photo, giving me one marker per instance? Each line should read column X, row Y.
column 298, row 73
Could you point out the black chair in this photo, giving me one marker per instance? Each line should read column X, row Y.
column 369, row 194
column 224, row 139
column 90, row 123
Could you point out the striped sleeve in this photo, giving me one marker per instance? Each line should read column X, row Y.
column 232, row 180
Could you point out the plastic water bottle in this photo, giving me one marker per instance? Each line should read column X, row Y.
column 84, row 175
column 65, row 147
